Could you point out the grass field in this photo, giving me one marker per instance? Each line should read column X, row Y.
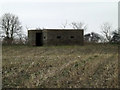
column 89, row 66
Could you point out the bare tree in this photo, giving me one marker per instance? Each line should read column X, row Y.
column 78, row 25
column 10, row 25
column 107, row 31
column 64, row 25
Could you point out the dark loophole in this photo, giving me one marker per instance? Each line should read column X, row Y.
column 58, row 37
column 72, row 37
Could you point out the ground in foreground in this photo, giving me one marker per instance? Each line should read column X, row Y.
column 60, row 66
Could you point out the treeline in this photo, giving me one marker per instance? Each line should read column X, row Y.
column 11, row 31
column 108, row 33
column 97, row 38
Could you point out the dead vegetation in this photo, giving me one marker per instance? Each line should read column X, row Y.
column 89, row 66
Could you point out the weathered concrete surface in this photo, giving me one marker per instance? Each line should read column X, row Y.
column 57, row 36
column 32, row 36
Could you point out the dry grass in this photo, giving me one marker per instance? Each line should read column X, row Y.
column 89, row 66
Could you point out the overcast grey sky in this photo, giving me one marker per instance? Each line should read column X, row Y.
column 34, row 14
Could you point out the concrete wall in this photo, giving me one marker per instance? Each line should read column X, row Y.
column 64, row 37
column 57, row 37
column 45, row 38
column 32, row 36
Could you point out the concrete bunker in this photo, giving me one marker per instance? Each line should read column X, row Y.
column 55, row 37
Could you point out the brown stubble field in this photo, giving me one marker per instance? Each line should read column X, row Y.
column 88, row 66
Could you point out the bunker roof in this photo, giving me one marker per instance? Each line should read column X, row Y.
column 57, row 30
